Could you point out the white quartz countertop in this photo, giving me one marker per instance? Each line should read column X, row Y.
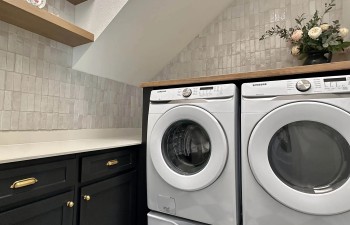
column 20, row 146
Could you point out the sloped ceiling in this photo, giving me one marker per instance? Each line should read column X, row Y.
column 144, row 36
column 95, row 15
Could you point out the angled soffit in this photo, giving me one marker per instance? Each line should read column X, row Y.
column 144, row 36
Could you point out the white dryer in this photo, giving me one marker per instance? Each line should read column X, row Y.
column 192, row 153
column 296, row 152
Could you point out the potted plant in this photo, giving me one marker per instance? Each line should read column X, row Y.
column 314, row 39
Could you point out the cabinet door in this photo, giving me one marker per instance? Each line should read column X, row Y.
column 110, row 202
column 52, row 211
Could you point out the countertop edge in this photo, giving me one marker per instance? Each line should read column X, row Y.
column 56, row 154
column 46, row 144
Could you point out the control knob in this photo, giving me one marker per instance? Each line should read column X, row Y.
column 186, row 92
column 303, row 85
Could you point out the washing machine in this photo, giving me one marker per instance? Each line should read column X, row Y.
column 295, row 152
column 155, row 218
column 192, row 153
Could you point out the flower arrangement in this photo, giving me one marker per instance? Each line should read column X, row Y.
column 314, row 36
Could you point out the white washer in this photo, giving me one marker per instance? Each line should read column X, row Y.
column 192, row 153
column 296, row 152
column 155, row 218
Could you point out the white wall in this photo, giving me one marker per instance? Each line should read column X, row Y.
column 144, row 36
column 95, row 15
column 346, row 23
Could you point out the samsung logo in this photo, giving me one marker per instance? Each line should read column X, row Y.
column 161, row 91
column 259, row 84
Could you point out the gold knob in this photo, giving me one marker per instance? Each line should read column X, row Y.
column 112, row 162
column 70, row 204
column 87, row 197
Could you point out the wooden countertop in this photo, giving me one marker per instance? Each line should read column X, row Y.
column 289, row 71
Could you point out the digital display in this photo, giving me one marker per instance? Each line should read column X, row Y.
column 206, row 88
column 335, row 79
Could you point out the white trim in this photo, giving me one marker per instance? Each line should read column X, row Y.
column 330, row 203
column 219, row 148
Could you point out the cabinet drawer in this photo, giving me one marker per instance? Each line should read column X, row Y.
column 51, row 211
column 94, row 167
column 26, row 182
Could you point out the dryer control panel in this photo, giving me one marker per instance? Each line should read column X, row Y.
column 337, row 83
column 317, row 85
column 200, row 92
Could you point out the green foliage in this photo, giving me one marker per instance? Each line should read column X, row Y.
column 328, row 7
column 282, row 32
column 329, row 39
column 300, row 19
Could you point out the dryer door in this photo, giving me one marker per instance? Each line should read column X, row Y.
column 300, row 154
column 188, row 148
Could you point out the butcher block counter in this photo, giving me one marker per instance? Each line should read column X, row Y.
column 268, row 74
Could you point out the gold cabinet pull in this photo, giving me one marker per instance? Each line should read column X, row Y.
column 70, row 204
column 112, row 162
column 87, row 197
column 24, row 183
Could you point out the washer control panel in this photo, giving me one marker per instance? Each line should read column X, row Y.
column 199, row 92
column 317, row 85
column 186, row 92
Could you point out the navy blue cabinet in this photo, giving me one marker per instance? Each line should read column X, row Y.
column 96, row 188
column 54, row 211
column 110, row 202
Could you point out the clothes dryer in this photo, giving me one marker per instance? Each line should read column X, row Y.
column 296, row 152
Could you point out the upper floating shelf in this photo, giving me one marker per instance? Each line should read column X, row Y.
column 28, row 17
column 76, row 2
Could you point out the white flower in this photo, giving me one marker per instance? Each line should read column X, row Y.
column 325, row 26
column 315, row 32
column 343, row 32
column 296, row 50
column 297, row 35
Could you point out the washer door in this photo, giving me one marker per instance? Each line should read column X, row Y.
column 188, row 148
column 300, row 154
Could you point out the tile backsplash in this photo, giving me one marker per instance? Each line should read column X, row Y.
column 230, row 44
column 39, row 90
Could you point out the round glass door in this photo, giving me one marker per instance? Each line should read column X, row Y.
column 300, row 154
column 188, row 147
column 310, row 157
